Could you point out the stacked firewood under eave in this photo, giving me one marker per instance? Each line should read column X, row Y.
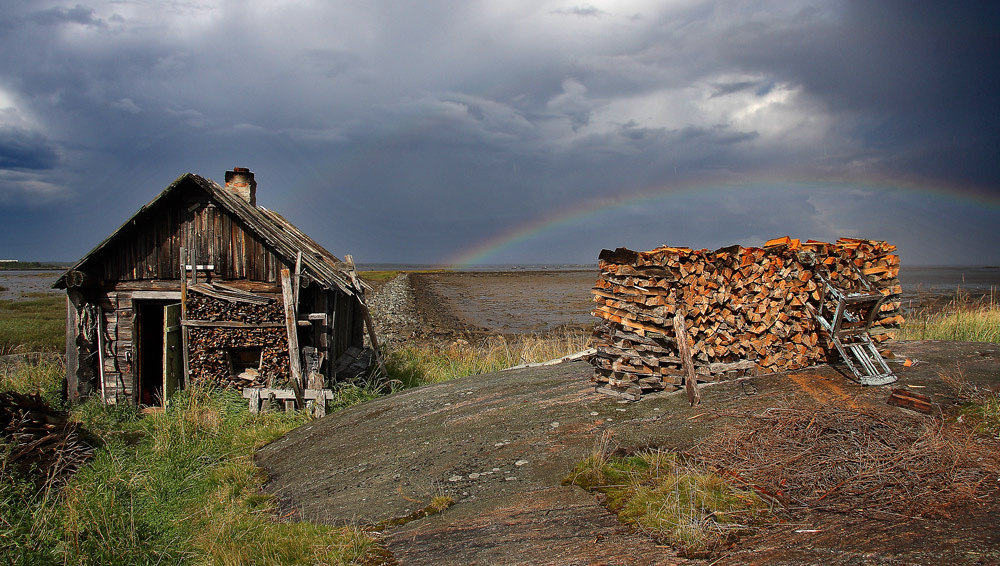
column 745, row 309
column 255, row 321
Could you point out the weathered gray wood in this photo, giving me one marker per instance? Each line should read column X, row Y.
column 157, row 295
column 297, row 280
column 684, row 351
column 100, row 353
column 72, row 350
column 254, row 400
column 234, row 296
column 294, row 361
column 369, row 323
column 283, row 394
column 186, row 368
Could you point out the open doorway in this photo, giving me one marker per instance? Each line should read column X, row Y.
column 158, row 349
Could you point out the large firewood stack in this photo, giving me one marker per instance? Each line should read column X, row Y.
column 745, row 309
column 211, row 346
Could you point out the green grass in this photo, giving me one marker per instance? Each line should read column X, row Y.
column 675, row 501
column 383, row 276
column 962, row 319
column 19, row 265
column 983, row 414
column 173, row 488
column 34, row 325
column 419, row 364
column 379, row 276
column 980, row 408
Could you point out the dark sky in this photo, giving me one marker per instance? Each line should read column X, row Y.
column 511, row 132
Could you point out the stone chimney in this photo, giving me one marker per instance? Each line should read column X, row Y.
column 240, row 180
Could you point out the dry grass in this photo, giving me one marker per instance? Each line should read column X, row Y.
column 876, row 460
column 963, row 318
column 418, row 364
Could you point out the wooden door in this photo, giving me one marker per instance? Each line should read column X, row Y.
column 173, row 359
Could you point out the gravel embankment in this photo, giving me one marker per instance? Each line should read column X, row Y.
column 393, row 309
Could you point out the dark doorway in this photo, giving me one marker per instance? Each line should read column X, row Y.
column 149, row 357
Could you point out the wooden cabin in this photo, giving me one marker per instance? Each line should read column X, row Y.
column 203, row 285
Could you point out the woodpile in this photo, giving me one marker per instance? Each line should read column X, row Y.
column 222, row 322
column 41, row 441
column 744, row 309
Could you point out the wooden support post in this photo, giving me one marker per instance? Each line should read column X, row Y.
column 72, row 350
column 292, row 328
column 184, row 329
column 687, row 362
column 254, row 401
column 100, row 351
column 369, row 323
column 297, row 280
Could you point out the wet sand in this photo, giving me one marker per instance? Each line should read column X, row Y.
column 506, row 302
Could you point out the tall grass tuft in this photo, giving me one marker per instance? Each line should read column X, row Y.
column 35, row 325
column 961, row 319
column 42, row 377
column 419, row 364
column 675, row 501
column 169, row 488
column 980, row 409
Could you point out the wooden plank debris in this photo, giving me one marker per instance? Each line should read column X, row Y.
column 910, row 400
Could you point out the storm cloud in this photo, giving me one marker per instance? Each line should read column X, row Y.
column 511, row 132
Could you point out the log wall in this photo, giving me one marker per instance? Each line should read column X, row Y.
column 744, row 308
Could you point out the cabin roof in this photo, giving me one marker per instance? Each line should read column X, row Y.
column 318, row 265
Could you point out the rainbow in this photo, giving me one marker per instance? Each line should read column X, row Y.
column 585, row 210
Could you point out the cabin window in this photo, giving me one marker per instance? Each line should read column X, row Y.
column 244, row 363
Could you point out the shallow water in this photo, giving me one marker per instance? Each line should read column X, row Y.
column 17, row 284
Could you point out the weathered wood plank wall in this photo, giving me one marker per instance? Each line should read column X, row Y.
column 214, row 237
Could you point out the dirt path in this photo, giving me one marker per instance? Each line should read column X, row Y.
column 500, row 445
